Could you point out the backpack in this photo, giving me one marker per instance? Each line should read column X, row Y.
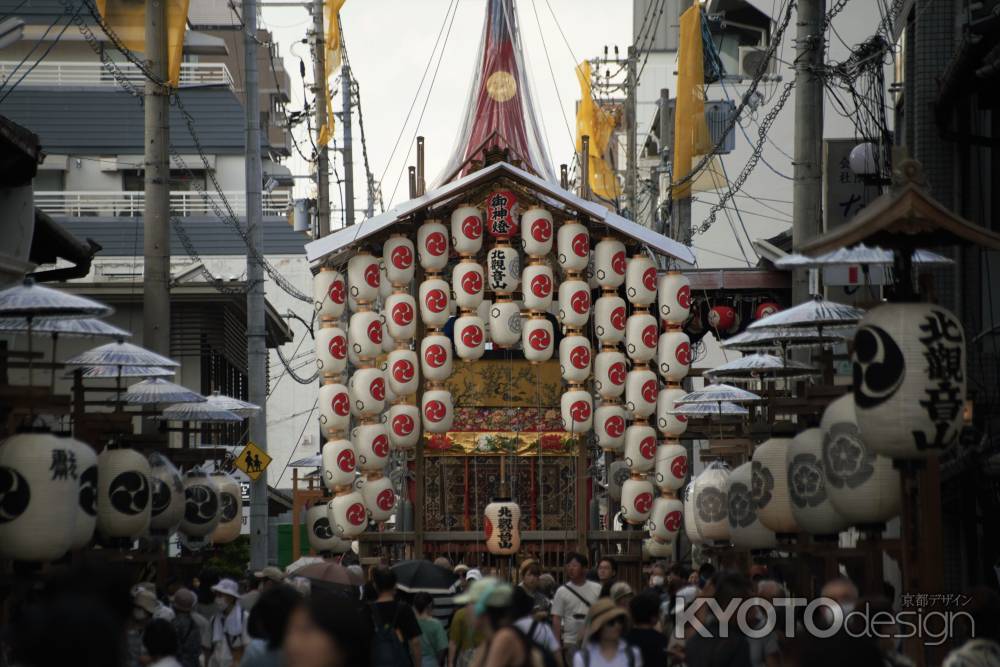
column 532, row 647
column 388, row 649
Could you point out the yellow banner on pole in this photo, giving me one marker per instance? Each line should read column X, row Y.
column 598, row 124
column 333, row 59
column 691, row 135
column 127, row 18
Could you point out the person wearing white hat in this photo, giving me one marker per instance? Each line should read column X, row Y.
column 229, row 635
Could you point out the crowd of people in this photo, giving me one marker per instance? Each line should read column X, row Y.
column 591, row 619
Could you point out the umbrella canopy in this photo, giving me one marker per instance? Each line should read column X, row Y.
column 760, row 366
column 326, row 571
column 928, row 258
column 158, row 390
column 421, row 576
column 29, row 299
column 719, row 393
column 234, row 405
column 783, row 338
column 114, row 372
column 794, row 261
column 121, row 353
column 63, row 326
column 308, row 462
column 198, row 412
column 293, row 568
column 709, row 409
column 814, row 313
column 859, row 254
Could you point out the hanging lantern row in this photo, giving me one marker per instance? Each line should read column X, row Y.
column 55, row 492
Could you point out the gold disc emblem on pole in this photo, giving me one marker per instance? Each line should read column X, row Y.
column 501, row 86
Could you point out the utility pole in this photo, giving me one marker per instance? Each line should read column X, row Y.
column 631, row 157
column 345, row 86
column 319, row 95
column 256, row 335
column 666, row 134
column 807, row 168
column 156, row 209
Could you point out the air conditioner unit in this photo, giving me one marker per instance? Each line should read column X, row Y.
column 751, row 59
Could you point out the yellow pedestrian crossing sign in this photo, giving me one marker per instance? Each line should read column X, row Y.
column 253, row 461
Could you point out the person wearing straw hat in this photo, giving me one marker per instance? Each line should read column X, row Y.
column 603, row 643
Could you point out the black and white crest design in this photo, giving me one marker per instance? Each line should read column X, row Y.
column 322, row 528
column 762, row 484
column 846, row 460
column 879, row 367
column 88, row 491
column 129, row 492
column 15, row 494
column 201, row 504
column 805, row 481
column 161, row 496
column 742, row 512
column 229, row 507
column 711, row 504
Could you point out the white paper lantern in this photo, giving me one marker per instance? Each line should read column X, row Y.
column 863, row 486
column 467, row 282
column 124, row 498
column 230, row 509
column 505, row 323
column 348, row 514
column 609, row 426
column 398, row 255
column 438, row 411
column 537, row 339
column 40, row 497
column 536, row 232
column 503, row 269
column 201, row 505
column 484, row 314
column 329, row 293
column 86, row 512
column 434, row 302
column 367, row 392
column 537, row 281
column 670, row 425
column 640, row 447
column 745, row 529
column 665, row 519
column 637, row 500
column 770, row 486
column 384, row 286
column 909, row 379
column 610, row 373
column 371, row 444
column 502, row 527
column 320, row 531
column 168, row 494
column 574, row 358
column 653, row 548
column 388, row 343
column 690, row 523
column 365, row 334
column 573, row 246
column 641, row 390
column 640, row 280
column 641, row 332
column 609, row 319
column 673, row 298
column 574, row 303
column 402, row 422
column 432, row 246
column 339, row 463
column 334, row 407
column 470, row 337
column 379, row 496
column 671, row 466
column 467, row 230
column 811, row 506
column 401, row 320
column 401, row 372
column 609, row 263
column 673, row 355
column 711, row 504
column 363, row 277
column 331, row 350
column 577, row 411
column 435, row 357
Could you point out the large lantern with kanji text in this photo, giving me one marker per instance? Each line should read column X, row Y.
column 501, row 527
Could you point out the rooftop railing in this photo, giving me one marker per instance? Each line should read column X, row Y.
column 63, row 73
column 76, row 204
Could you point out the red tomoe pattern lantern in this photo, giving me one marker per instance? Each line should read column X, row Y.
column 723, row 319
column 764, row 309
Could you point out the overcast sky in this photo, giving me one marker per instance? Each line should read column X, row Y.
column 390, row 42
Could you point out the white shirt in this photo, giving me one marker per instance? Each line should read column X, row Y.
column 571, row 610
column 542, row 634
column 597, row 660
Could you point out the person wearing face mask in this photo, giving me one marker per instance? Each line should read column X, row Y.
column 144, row 605
column 229, row 635
column 657, row 579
